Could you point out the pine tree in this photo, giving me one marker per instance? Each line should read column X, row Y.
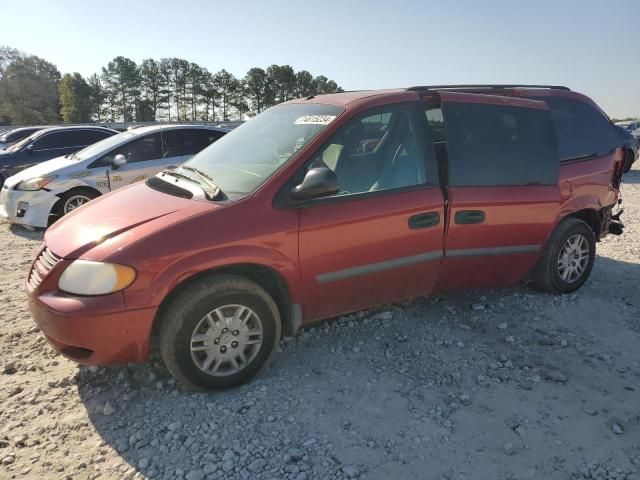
column 75, row 99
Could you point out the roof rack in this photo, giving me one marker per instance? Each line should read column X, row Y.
column 483, row 87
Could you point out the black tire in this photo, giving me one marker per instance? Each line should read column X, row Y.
column 546, row 274
column 60, row 206
column 628, row 161
column 180, row 320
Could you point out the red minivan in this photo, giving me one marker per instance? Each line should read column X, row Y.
column 327, row 205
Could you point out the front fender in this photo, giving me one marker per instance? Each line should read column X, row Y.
column 66, row 184
column 153, row 285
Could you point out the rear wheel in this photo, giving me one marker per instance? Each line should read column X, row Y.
column 628, row 161
column 567, row 258
column 219, row 332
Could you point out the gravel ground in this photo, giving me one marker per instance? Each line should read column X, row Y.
column 510, row 384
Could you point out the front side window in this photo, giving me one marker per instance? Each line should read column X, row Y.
column 375, row 151
column 148, row 147
column 499, row 145
column 243, row 159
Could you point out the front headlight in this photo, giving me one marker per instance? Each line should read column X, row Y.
column 35, row 183
column 86, row 277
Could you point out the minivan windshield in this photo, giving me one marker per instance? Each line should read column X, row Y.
column 242, row 160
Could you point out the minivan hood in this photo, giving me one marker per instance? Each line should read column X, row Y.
column 117, row 214
column 40, row 170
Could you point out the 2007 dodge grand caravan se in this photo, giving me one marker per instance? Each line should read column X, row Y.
column 326, row 205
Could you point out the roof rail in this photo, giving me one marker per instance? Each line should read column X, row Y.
column 483, row 87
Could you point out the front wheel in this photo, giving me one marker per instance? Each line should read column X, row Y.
column 218, row 332
column 567, row 259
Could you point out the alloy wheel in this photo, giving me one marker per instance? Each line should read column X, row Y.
column 573, row 258
column 226, row 340
column 75, row 202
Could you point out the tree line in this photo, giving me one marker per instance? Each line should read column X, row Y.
column 32, row 91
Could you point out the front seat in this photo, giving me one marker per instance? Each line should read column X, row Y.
column 406, row 168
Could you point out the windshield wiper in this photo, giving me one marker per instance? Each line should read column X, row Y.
column 210, row 195
column 215, row 190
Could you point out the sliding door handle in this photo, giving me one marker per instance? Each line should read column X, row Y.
column 469, row 217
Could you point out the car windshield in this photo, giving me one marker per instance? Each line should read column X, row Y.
column 243, row 159
column 16, row 147
column 103, row 145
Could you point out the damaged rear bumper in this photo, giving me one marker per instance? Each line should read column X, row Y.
column 611, row 223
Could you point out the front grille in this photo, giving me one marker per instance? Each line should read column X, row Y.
column 43, row 264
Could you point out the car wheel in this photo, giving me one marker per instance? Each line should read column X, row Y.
column 218, row 332
column 628, row 162
column 71, row 200
column 567, row 259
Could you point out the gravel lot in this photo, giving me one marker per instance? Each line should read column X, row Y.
column 510, row 384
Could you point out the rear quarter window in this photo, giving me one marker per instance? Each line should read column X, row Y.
column 581, row 130
column 498, row 145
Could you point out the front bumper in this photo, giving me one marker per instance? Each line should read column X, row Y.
column 27, row 208
column 92, row 330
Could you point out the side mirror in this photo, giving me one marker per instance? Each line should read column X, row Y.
column 316, row 183
column 118, row 161
column 29, row 149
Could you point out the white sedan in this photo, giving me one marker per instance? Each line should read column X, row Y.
column 39, row 195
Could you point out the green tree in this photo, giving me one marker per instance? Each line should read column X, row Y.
column 304, row 84
column 97, row 97
column 166, row 91
column 282, row 80
column 152, row 83
column 256, row 84
column 238, row 97
column 122, row 82
column 29, row 91
column 209, row 97
column 225, row 84
column 195, row 81
column 75, row 99
column 8, row 55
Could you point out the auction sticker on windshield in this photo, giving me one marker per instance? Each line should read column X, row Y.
column 315, row 120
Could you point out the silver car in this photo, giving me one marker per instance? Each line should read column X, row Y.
column 40, row 194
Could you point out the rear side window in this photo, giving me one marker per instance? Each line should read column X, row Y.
column 582, row 131
column 498, row 145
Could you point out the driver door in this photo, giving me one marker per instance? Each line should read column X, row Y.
column 379, row 239
column 144, row 159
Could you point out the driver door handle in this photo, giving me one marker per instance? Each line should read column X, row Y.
column 424, row 220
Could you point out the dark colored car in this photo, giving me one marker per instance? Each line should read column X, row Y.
column 323, row 206
column 12, row 136
column 46, row 144
column 631, row 146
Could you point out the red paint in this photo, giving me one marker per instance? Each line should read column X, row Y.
column 168, row 240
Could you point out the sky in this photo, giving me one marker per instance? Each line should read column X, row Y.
column 591, row 46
